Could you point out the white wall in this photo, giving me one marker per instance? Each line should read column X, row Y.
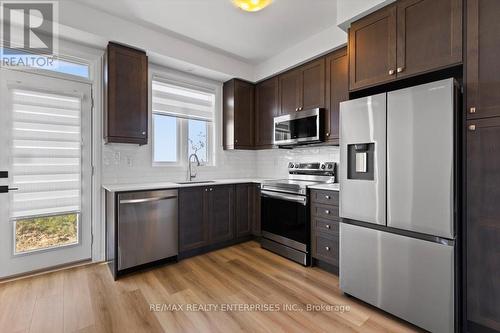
column 321, row 43
column 87, row 25
column 351, row 10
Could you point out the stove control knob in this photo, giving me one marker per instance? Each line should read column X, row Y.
column 322, row 166
column 330, row 166
column 297, row 165
column 290, row 165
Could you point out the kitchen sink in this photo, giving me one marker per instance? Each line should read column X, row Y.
column 196, row 182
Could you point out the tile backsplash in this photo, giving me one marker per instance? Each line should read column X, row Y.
column 273, row 163
column 132, row 164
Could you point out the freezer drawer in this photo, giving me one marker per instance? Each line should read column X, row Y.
column 420, row 161
column 362, row 174
column 410, row 278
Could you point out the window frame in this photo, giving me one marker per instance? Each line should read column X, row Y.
column 184, row 80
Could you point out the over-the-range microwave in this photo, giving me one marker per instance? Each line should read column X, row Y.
column 301, row 127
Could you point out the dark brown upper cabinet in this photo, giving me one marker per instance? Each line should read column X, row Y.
column 238, row 114
column 266, row 108
column 126, row 86
column 372, row 49
column 483, row 221
column 302, row 88
column 429, row 35
column 482, row 59
column 337, row 90
column 289, row 91
column 407, row 38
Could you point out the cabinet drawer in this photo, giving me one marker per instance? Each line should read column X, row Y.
column 326, row 248
column 325, row 197
column 326, row 212
column 325, row 226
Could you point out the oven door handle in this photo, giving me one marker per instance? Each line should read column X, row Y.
column 287, row 197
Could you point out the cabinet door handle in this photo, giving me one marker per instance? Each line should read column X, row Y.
column 206, row 190
column 400, row 69
column 327, row 248
column 143, row 133
column 327, row 226
column 296, row 109
column 327, row 197
column 472, row 110
column 211, row 189
column 391, row 72
column 327, row 211
column 472, row 127
column 327, row 133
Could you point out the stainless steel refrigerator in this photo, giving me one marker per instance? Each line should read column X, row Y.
column 398, row 202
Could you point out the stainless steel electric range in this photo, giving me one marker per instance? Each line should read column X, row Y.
column 285, row 217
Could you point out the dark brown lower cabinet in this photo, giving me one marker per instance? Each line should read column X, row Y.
column 325, row 228
column 244, row 204
column 256, row 230
column 483, row 225
column 216, row 216
column 193, row 222
column 221, row 213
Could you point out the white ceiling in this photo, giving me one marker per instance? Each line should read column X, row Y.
column 217, row 24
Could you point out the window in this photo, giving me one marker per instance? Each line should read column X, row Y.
column 24, row 59
column 182, row 122
column 46, row 151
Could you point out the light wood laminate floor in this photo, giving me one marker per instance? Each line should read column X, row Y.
column 86, row 299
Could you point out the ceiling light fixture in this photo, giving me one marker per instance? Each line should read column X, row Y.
column 252, row 5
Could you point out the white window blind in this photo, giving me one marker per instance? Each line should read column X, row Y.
column 182, row 101
column 46, row 153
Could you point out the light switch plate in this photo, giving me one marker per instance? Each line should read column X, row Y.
column 361, row 162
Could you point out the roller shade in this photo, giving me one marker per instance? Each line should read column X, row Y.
column 46, row 153
column 182, row 101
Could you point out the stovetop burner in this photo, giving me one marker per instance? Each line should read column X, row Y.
column 302, row 175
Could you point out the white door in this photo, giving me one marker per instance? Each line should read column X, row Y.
column 45, row 146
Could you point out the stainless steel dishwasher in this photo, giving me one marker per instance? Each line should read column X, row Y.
column 147, row 227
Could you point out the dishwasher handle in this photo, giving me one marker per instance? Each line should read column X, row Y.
column 142, row 200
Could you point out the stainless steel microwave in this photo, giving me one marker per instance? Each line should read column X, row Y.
column 302, row 127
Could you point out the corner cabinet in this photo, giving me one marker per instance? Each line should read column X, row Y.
column 266, row 108
column 337, row 91
column 126, row 94
column 238, row 114
column 407, row 38
column 302, row 88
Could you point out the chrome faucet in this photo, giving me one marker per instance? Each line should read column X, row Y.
column 190, row 169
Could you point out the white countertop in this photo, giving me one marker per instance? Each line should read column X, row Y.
column 167, row 185
column 328, row 187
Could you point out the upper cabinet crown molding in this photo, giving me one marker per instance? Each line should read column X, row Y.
column 126, row 94
column 407, row 38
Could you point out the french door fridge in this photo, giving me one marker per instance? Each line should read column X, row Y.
column 398, row 202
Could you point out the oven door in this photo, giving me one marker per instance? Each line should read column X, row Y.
column 284, row 219
column 299, row 128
